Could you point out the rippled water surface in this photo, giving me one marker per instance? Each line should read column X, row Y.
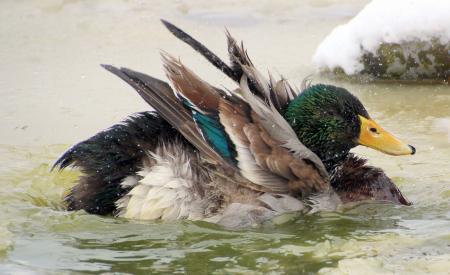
column 53, row 93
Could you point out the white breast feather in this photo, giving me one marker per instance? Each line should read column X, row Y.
column 166, row 191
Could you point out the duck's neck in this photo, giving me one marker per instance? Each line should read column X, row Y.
column 335, row 161
column 331, row 150
column 331, row 153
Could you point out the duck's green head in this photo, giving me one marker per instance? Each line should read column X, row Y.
column 330, row 121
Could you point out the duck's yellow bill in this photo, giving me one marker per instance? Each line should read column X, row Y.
column 374, row 136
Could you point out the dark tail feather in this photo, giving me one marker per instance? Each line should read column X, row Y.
column 65, row 160
column 199, row 47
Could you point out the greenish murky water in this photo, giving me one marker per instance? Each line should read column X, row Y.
column 53, row 94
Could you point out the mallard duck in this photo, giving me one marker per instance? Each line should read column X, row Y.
column 235, row 157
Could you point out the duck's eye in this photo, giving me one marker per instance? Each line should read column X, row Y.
column 373, row 130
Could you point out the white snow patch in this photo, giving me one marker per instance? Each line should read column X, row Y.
column 383, row 21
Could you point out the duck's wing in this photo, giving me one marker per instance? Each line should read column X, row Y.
column 161, row 97
column 249, row 133
column 270, row 93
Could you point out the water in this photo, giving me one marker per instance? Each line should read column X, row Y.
column 54, row 94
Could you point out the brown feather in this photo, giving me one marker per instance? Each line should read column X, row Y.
column 257, row 146
column 185, row 81
column 235, row 119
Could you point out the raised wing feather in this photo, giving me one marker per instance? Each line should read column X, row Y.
column 274, row 94
column 279, row 92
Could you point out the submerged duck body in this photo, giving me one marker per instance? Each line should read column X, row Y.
column 231, row 157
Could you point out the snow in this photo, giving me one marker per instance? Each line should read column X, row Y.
column 383, row 21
